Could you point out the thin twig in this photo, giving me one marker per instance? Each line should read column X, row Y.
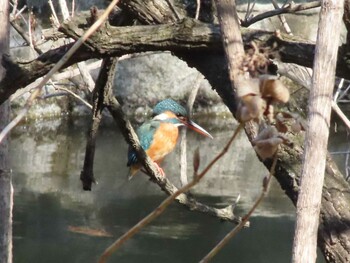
column 59, row 64
column 198, row 8
column 64, row 9
column 55, row 18
column 341, row 114
column 247, row 12
column 72, row 94
column 290, row 8
column 159, row 210
column 344, row 93
column 30, row 35
column 73, row 8
column 104, row 84
column 250, row 9
column 84, row 73
column 19, row 13
column 59, row 76
column 282, row 18
column 172, row 8
column 235, row 230
column 14, row 8
column 183, row 142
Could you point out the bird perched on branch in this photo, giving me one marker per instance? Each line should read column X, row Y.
column 158, row 137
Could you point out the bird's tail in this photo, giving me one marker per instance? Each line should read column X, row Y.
column 133, row 170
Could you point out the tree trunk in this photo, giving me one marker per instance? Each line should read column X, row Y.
column 6, row 191
column 309, row 200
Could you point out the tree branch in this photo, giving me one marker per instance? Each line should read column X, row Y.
column 103, row 81
column 188, row 37
column 130, row 136
column 290, row 8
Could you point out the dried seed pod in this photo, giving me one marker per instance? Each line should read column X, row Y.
column 272, row 88
column 266, row 142
column 267, row 148
column 251, row 107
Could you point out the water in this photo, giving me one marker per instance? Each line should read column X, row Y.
column 52, row 212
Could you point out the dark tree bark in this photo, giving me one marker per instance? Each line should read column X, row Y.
column 87, row 174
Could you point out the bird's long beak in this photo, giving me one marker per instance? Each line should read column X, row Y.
column 194, row 126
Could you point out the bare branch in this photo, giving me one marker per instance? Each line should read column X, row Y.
column 64, row 9
column 183, row 142
column 173, row 9
column 282, row 18
column 73, row 8
column 249, row 11
column 73, row 94
column 54, row 16
column 103, row 84
column 14, row 8
column 198, row 8
column 290, row 8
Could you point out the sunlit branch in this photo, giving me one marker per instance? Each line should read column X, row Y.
column 54, row 16
column 198, row 8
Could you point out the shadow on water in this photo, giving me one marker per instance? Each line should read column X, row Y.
column 49, row 202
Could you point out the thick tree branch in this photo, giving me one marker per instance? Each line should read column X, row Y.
column 188, row 38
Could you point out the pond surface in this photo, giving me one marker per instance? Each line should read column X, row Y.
column 56, row 221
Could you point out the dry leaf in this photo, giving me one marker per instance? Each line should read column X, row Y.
column 266, row 142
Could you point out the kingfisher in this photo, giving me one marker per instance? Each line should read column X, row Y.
column 158, row 136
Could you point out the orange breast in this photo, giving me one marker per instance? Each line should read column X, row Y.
column 164, row 141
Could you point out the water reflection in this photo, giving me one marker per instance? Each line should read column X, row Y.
column 49, row 201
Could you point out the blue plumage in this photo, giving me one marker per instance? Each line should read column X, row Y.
column 158, row 136
column 169, row 105
column 145, row 133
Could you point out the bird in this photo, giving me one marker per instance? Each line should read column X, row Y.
column 158, row 136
